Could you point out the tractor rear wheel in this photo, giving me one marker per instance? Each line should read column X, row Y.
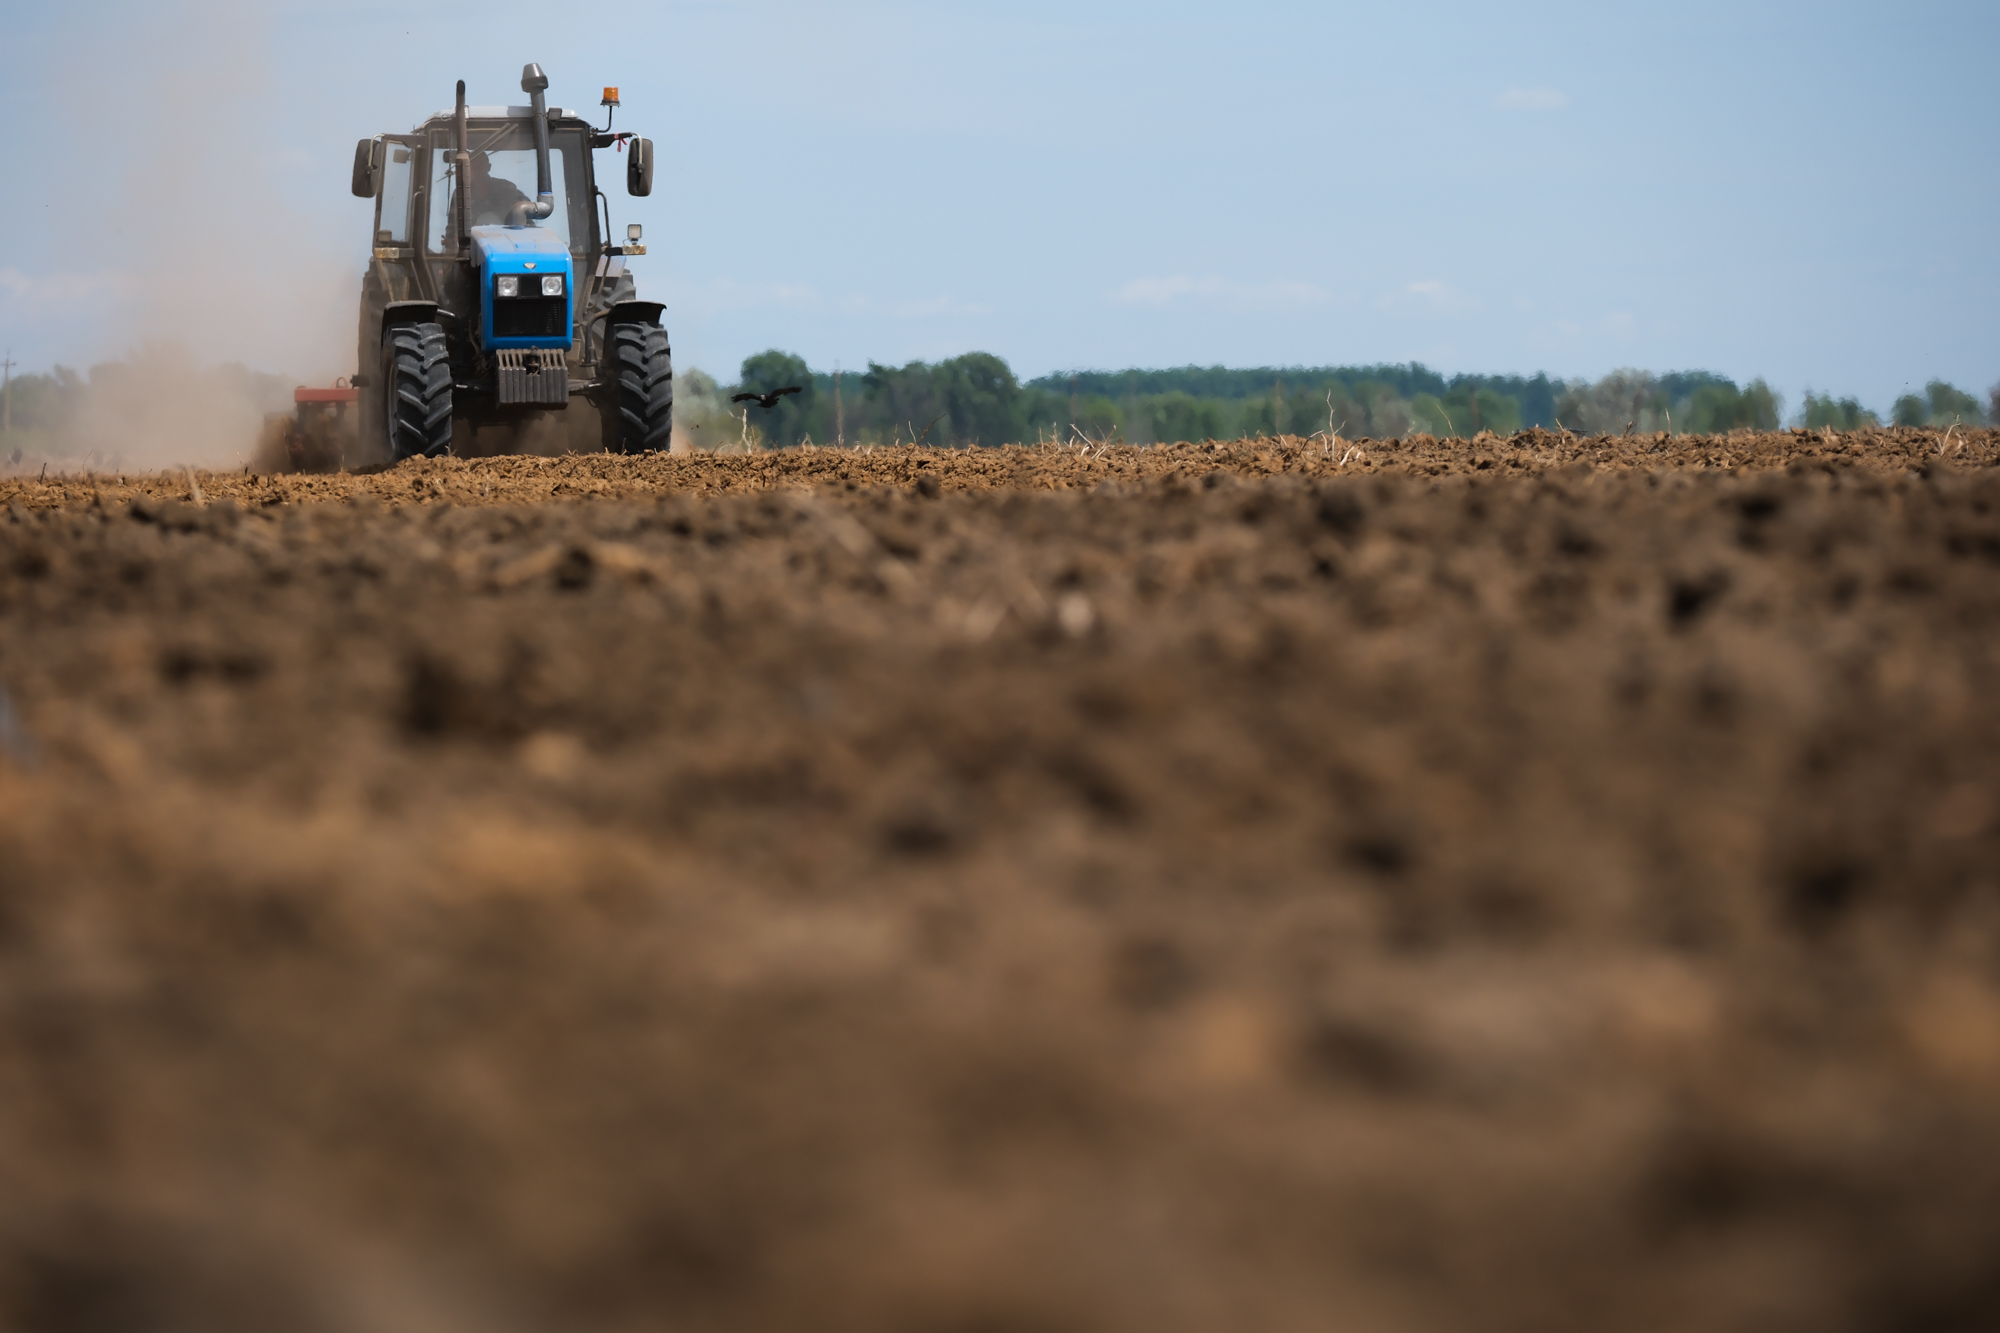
column 637, row 408
column 416, row 391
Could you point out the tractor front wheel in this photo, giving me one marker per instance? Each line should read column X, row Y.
column 416, row 391
column 637, row 407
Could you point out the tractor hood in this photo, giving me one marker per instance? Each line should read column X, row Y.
column 525, row 316
column 531, row 245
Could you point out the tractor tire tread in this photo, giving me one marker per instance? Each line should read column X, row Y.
column 639, row 416
column 416, row 371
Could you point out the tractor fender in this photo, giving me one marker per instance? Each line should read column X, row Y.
column 634, row 312
column 623, row 312
column 408, row 312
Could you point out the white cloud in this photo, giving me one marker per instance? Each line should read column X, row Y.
column 1162, row 292
column 1430, row 294
column 1531, row 99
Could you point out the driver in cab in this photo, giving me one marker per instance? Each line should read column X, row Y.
column 493, row 200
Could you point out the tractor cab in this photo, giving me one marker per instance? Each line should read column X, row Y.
column 493, row 296
column 419, row 198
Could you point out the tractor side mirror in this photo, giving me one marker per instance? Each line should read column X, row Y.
column 639, row 168
column 367, row 168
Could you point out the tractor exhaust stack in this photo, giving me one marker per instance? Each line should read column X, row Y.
column 463, row 158
column 534, row 83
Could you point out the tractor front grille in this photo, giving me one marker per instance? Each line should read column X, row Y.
column 524, row 376
column 531, row 317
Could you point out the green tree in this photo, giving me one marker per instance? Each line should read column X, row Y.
column 1717, row 408
column 1099, row 418
column 1383, row 413
column 982, row 400
column 1940, row 404
column 790, row 421
column 1256, row 418
column 1044, row 414
column 968, row 400
column 1429, row 414
column 1629, row 398
column 1178, row 416
column 898, row 399
column 1950, row 406
column 1347, row 411
column 1474, row 409
column 1822, row 410
column 46, row 402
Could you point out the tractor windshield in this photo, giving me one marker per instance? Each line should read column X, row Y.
column 502, row 183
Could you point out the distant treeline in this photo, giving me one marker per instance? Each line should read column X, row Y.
column 975, row 399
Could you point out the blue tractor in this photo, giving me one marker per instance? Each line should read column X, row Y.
column 494, row 299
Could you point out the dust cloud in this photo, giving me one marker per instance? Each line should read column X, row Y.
column 161, row 407
column 224, row 293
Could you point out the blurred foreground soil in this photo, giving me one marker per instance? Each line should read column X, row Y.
column 1537, row 884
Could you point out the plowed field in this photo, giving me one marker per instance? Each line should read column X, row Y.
column 1521, row 884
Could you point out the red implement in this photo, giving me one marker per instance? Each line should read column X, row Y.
column 319, row 436
column 339, row 395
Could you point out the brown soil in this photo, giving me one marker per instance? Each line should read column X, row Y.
column 1537, row 884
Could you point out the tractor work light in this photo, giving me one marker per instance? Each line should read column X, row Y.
column 552, row 284
column 507, row 284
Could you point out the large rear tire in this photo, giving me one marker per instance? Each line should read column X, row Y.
column 637, row 408
column 416, row 391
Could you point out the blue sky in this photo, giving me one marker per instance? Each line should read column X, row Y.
column 1808, row 192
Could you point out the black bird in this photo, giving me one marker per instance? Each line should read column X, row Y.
column 766, row 400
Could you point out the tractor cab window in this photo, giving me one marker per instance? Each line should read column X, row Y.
column 501, row 182
column 392, row 219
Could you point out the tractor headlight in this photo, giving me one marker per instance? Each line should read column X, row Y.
column 507, row 284
column 552, row 284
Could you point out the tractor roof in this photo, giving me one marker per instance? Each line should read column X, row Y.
column 501, row 113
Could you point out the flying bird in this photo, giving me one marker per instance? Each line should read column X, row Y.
column 766, row 400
